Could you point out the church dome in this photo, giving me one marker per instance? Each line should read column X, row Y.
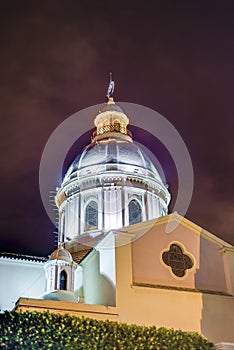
column 104, row 154
column 113, row 183
column 61, row 254
column 112, row 148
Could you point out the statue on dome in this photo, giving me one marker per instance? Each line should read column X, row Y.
column 111, row 87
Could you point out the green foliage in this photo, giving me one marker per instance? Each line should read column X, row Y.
column 48, row 331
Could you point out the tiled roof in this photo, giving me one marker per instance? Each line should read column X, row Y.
column 84, row 246
column 81, row 253
column 23, row 257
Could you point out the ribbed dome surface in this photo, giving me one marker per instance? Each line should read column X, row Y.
column 113, row 151
column 61, row 254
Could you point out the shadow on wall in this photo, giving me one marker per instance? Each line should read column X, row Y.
column 79, row 293
column 217, row 321
column 109, row 292
column 217, row 317
column 98, row 288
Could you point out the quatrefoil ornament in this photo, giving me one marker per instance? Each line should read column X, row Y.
column 177, row 260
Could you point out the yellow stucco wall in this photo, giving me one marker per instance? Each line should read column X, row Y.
column 207, row 273
column 209, row 314
column 148, row 294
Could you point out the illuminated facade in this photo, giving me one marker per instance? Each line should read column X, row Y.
column 116, row 259
column 111, row 184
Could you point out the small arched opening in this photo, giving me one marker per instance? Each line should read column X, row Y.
column 116, row 125
column 135, row 212
column 63, row 280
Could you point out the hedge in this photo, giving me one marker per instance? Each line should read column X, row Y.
column 45, row 330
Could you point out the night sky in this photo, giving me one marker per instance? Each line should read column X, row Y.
column 175, row 57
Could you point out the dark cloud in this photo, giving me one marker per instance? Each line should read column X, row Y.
column 174, row 57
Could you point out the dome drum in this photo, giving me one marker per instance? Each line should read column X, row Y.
column 111, row 178
column 107, row 204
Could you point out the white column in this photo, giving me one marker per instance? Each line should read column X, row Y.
column 69, row 217
column 106, row 208
column 75, row 216
column 73, row 233
column 66, row 219
column 118, row 208
column 113, row 208
column 100, row 208
column 158, row 213
column 82, row 214
column 144, row 206
column 150, row 205
column 126, row 214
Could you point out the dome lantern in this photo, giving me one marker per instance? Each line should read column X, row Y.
column 111, row 119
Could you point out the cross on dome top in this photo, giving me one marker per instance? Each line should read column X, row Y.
column 111, row 121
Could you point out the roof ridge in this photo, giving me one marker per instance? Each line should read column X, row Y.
column 22, row 256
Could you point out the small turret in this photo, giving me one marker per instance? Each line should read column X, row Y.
column 59, row 271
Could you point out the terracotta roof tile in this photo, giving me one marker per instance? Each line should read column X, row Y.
column 82, row 252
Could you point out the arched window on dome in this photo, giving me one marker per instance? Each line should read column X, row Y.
column 116, row 125
column 63, row 280
column 91, row 216
column 134, row 212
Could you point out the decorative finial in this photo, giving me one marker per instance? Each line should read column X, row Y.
column 111, row 87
